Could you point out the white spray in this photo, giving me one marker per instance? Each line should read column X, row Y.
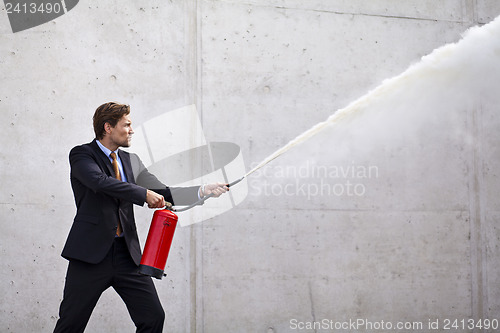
column 452, row 61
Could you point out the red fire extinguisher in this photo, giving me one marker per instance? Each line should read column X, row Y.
column 158, row 243
column 160, row 236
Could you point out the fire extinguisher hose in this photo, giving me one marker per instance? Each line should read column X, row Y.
column 202, row 200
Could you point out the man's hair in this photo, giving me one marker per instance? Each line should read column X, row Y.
column 111, row 113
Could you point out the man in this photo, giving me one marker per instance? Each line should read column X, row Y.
column 102, row 246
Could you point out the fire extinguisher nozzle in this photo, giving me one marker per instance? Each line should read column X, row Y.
column 235, row 182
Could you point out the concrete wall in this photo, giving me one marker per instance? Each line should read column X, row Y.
column 420, row 243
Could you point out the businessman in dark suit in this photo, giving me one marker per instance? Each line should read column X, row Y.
column 102, row 246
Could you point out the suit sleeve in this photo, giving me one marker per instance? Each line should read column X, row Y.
column 86, row 170
column 174, row 195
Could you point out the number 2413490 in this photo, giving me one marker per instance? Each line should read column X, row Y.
column 33, row 8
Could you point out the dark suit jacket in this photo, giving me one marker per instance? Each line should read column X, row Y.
column 101, row 200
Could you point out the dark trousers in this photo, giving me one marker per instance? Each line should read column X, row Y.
column 86, row 282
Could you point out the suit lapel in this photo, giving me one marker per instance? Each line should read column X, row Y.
column 102, row 158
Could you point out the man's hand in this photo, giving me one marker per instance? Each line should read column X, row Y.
column 216, row 189
column 155, row 200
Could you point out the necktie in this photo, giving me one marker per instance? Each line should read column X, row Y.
column 115, row 166
column 119, row 177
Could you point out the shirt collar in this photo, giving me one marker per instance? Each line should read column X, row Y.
column 106, row 150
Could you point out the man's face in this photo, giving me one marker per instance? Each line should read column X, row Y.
column 121, row 134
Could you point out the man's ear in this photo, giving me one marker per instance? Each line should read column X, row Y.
column 107, row 128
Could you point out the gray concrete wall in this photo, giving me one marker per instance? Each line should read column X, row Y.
column 420, row 244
